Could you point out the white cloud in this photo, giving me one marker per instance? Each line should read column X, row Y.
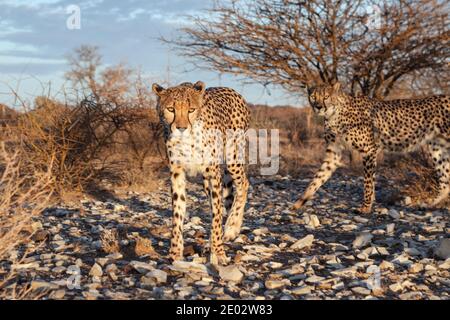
column 7, row 59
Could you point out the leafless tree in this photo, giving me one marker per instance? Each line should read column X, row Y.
column 368, row 45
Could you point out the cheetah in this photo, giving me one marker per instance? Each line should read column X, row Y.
column 204, row 132
column 370, row 125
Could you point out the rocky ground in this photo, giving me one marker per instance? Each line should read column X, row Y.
column 116, row 249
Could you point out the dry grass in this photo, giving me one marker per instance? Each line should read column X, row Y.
column 110, row 241
column 144, row 247
column 23, row 197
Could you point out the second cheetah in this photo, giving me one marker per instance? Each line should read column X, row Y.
column 370, row 125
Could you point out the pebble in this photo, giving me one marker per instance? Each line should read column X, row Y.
column 300, row 291
column 394, row 214
column 96, row 270
column 303, row 243
column 160, row 276
column 230, row 273
column 276, row 284
column 362, row 240
column 361, row 291
column 143, row 267
column 186, row 266
column 335, row 247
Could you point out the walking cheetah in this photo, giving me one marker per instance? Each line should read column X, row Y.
column 370, row 126
column 199, row 125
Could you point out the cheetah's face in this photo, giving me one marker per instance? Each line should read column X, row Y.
column 180, row 106
column 324, row 99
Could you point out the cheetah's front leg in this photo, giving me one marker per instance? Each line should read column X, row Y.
column 369, row 163
column 215, row 194
column 178, row 181
column 331, row 162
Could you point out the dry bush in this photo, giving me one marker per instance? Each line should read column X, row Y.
column 414, row 175
column 93, row 141
column 110, row 241
column 144, row 247
column 23, row 197
column 301, row 135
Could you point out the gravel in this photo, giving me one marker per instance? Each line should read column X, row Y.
column 325, row 251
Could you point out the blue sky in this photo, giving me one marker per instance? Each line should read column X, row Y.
column 34, row 41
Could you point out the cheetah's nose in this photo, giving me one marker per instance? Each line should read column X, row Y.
column 181, row 129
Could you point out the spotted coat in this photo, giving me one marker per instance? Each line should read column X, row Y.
column 369, row 126
column 205, row 133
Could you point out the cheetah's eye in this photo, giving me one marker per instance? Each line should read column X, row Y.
column 191, row 110
column 170, row 109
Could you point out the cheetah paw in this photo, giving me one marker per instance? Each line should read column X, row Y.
column 365, row 210
column 219, row 259
column 176, row 256
column 230, row 233
column 299, row 203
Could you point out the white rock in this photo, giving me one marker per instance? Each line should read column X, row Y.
column 362, row 240
column 276, row 284
column 160, row 276
column 390, row 228
column 143, row 267
column 394, row 214
column 303, row 243
column 396, row 287
column 261, row 231
column 300, row 291
column 415, row 267
column 346, row 272
column 312, row 220
column 361, row 291
column 314, row 279
column 196, row 220
column 186, row 267
column 230, row 273
column 96, row 270
column 407, row 201
column 445, row 265
column 402, row 260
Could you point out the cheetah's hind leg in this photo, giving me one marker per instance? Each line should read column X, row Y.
column 440, row 154
column 236, row 216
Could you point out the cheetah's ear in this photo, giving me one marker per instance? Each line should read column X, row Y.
column 158, row 89
column 337, row 87
column 199, row 86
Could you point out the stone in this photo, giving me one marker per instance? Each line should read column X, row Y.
column 445, row 265
column 415, row 268
column 390, row 228
column 311, row 220
column 362, row 240
column 443, row 250
column 261, row 231
column 314, row 279
column 407, row 201
column 300, row 291
column 230, row 273
column 349, row 272
column 58, row 294
column 96, row 270
column 361, row 291
column 303, row 243
column 37, row 284
column 186, row 267
column 160, row 276
column 394, row 214
column 396, row 287
column 142, row 267
column 277, row 284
